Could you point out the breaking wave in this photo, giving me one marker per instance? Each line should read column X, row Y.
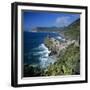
column 40, row 56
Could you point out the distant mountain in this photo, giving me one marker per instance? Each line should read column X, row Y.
column 47, row 29
column 72, row 31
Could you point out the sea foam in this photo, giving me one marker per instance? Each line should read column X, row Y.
column 41, row 55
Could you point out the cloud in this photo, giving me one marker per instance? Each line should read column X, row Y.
column 62, row 21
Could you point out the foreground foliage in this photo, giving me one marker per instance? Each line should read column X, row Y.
column 67, row 64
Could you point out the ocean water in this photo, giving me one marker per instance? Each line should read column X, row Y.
column 35, row 52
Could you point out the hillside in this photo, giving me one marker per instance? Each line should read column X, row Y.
column 68, row 61
column 72, row 31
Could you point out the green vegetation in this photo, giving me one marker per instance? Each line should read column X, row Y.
column 67, row 64
column 68, row 58
column 31, row 70
column 73, row 31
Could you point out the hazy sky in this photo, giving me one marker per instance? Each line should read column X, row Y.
column 32, row 19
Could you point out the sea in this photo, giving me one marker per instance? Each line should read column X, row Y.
column 35, row 52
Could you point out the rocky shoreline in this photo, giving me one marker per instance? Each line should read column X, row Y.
column 56, row 46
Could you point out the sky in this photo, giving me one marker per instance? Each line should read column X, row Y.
column 33, row 19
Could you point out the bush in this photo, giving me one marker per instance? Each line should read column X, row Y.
column 67, row 64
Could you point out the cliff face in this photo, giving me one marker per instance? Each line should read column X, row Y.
column 52, row 44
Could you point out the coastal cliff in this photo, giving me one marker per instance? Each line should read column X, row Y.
column 67, row 52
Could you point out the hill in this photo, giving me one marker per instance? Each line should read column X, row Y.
column 72, row 31
column 47, row 29
column 68, row 61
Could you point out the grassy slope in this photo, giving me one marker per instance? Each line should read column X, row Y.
column 69, row 60
column 73, row 30
column 67, row 64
